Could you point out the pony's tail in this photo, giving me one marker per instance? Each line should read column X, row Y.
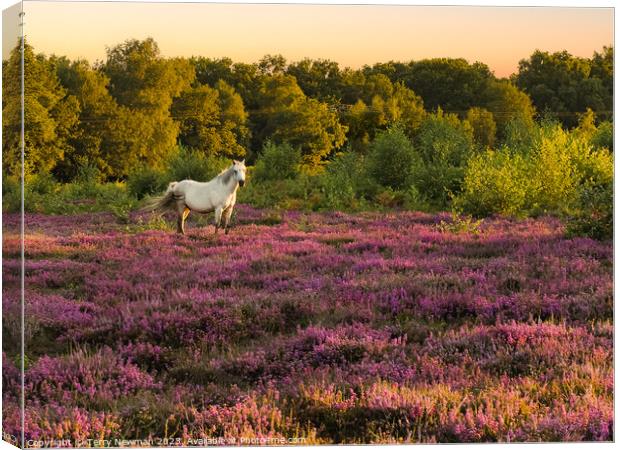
column 161, row 203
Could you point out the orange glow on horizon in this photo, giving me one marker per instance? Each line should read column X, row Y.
column 351, row 35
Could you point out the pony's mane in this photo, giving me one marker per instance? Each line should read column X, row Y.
column 226, row 174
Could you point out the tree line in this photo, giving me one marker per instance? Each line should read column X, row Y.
column 134, row 108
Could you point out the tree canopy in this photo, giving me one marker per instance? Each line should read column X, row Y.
column 135, row 107
column 564, row 85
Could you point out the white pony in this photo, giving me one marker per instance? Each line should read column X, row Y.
column 218, row 194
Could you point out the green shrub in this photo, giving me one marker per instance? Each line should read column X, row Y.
column 146, row 181
column 460, row 224
column 547, row 178
column 483, row 126
column 88, row 174
column 495, row 182
column 445, row 140
column 445, row 144
column 41, row 184
column 392, row 159
column 345, row 182
column 415, row 201
column 11, row 193
column 42, row 194
column 439, row 182
column 603, row 137
column 594, row 216
column 553, row 174
column 520, row 135
column 277, row 162
column 189, row 164
column 284, row 193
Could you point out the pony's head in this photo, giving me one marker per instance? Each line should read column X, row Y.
column 238, row 169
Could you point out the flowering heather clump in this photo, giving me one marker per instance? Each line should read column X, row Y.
column 333, row 328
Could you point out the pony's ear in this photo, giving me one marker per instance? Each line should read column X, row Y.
column 235, row 161
column 243, row 161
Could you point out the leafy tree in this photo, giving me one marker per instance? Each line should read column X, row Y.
column 287, row 115
column 248, row 82
column 586, row 126
column 603, row 69
column 50, row 114
column 452, row 84
column 483, row 126
column 212, row 120
column 92, row 142
column 234, row 120
column 508, row 103
column 410, row 111
column 566, row 85
column 359, row 125
column 382, row 104
column 197, row 110
column 445, row 144
column 443, row 138
column 144, row 85
column 318, row 78
column 392, row 159
column 352, row 85
column 603, row 137
column 245, row 79
column 272, row 65
column 141, row 79
column 210, row 71
column 278, row 162
column 395, row 71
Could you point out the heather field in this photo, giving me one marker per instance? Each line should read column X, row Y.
column 309, row 328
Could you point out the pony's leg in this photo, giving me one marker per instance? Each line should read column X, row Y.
column 186, row 212
column 181, row 208
column 226, row 215
column 218, row 218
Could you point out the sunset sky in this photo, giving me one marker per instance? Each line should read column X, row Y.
column 351, row 35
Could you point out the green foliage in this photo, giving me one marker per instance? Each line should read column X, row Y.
column 146, row 181
column 43, row 194
column 144, row 84
column 277, row 162
column 318, row 79
column 565, row 84
column 50, row 114
column 345, row 183
column 483, row 126
column 494, row 183
column 11, row 193
column 392, row 159
column 212, row 120
column 299, row 193
column 382, row 104
column 123, row 119
column 445, row 144
column 194, row 165
column 603, row 137
column 547, row 178
column 287, row 115
column 443, row 138
column 520, row 134
column 594, row 216
column 460, row 224
column 450, row 84
column 508, row 105
column 554, row 174
column 95, row 139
